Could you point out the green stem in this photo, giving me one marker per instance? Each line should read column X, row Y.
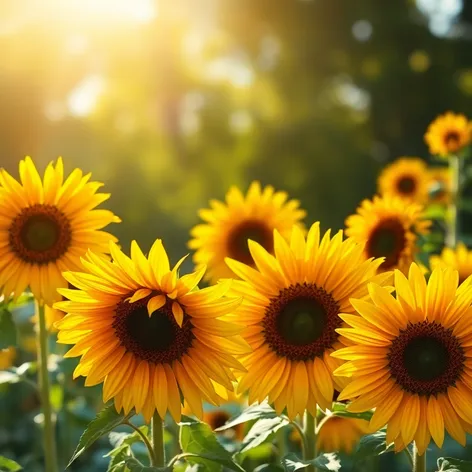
column 309, row 430
column 453, row 221
column 157, row 427
column 419, row 462
column 281, row 442
column 49, row 430
column 144, row 439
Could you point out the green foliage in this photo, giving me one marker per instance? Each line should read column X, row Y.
column 269, row 468
column 372, row 445
column 450, row 464
column 9, row 465
column 200, row 446
column 340, row 410
column 262, row 431
column 330, row 462
column 107, row 420
column 254, row 412
column 8, row 336
column 135, row 466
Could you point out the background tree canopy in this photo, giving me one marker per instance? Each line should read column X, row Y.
column 171, row 102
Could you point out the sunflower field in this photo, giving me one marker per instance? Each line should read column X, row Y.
column 235, row 236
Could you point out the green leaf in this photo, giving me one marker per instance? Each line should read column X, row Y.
column 9, row 465
column 255, row 412
column 330, row 462
column 118, row 457
column 135, row 466
column 7, row 377
column 119, row 439
column 372, row 445
column 269, row 468
column 453, row 465
column 107, row 420
column 198, row 438
column 262, row 431
column 7, row 329
column 340, row 410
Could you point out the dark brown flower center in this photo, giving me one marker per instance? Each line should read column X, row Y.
column 406, row 185
column 237, row 244
column 387, row 240
column 40, row 234
column 300, row 323
column 452, row 140
column 218, row 418
column 156, row 338
column 426, row 358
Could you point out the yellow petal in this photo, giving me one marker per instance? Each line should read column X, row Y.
column 178, row 313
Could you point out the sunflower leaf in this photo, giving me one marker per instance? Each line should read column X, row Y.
column 135, row 466
column 200, row 446
column 450, row 464
column 254, row 412
column 9, row 464
column 7, row 329
column 340, row 410
column 261, row 431
column 372, row 445
column 330, row 462
column 107, row 420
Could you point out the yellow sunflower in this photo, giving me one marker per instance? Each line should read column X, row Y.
column 148, row 334
column 46, row 226
column 389, row 227
column 7, row 357
column 230, row 225
column 448, row 134
column 218, row 417
column 406, row 178
column 410, row 358
column 290, row 312
column 439, row 185
column 340, row 433
column 459, row 259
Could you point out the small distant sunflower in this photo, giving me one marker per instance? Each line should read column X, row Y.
column 406, row 178
column 448, row 134
column 218, row 417
column 439, row 185
column 230, row 225
column 147, row 334
column 410, row 358
column 7, row 357
column 290, row 312
column 459, row 259
column 340, row 433
column 46, row 226
column 389, row 227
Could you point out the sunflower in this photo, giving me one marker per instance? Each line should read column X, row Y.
column 148, row 334
column 439, row 185
column 290, row 312
column 46, row 226
column 406, row 178
column 7, row 357
column 340, row 433
column 230, row 225
column 411, row 358
column 389, row 227
column 459, row 259
column 448, row 134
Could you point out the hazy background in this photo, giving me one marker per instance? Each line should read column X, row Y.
column 170, row 102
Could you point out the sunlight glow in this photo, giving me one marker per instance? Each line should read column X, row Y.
column 83, row 98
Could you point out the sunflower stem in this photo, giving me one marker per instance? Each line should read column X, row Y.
column 49, row 430
column 453, row 221
column 157, row 427
column 419, row 462
column 309, row 449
